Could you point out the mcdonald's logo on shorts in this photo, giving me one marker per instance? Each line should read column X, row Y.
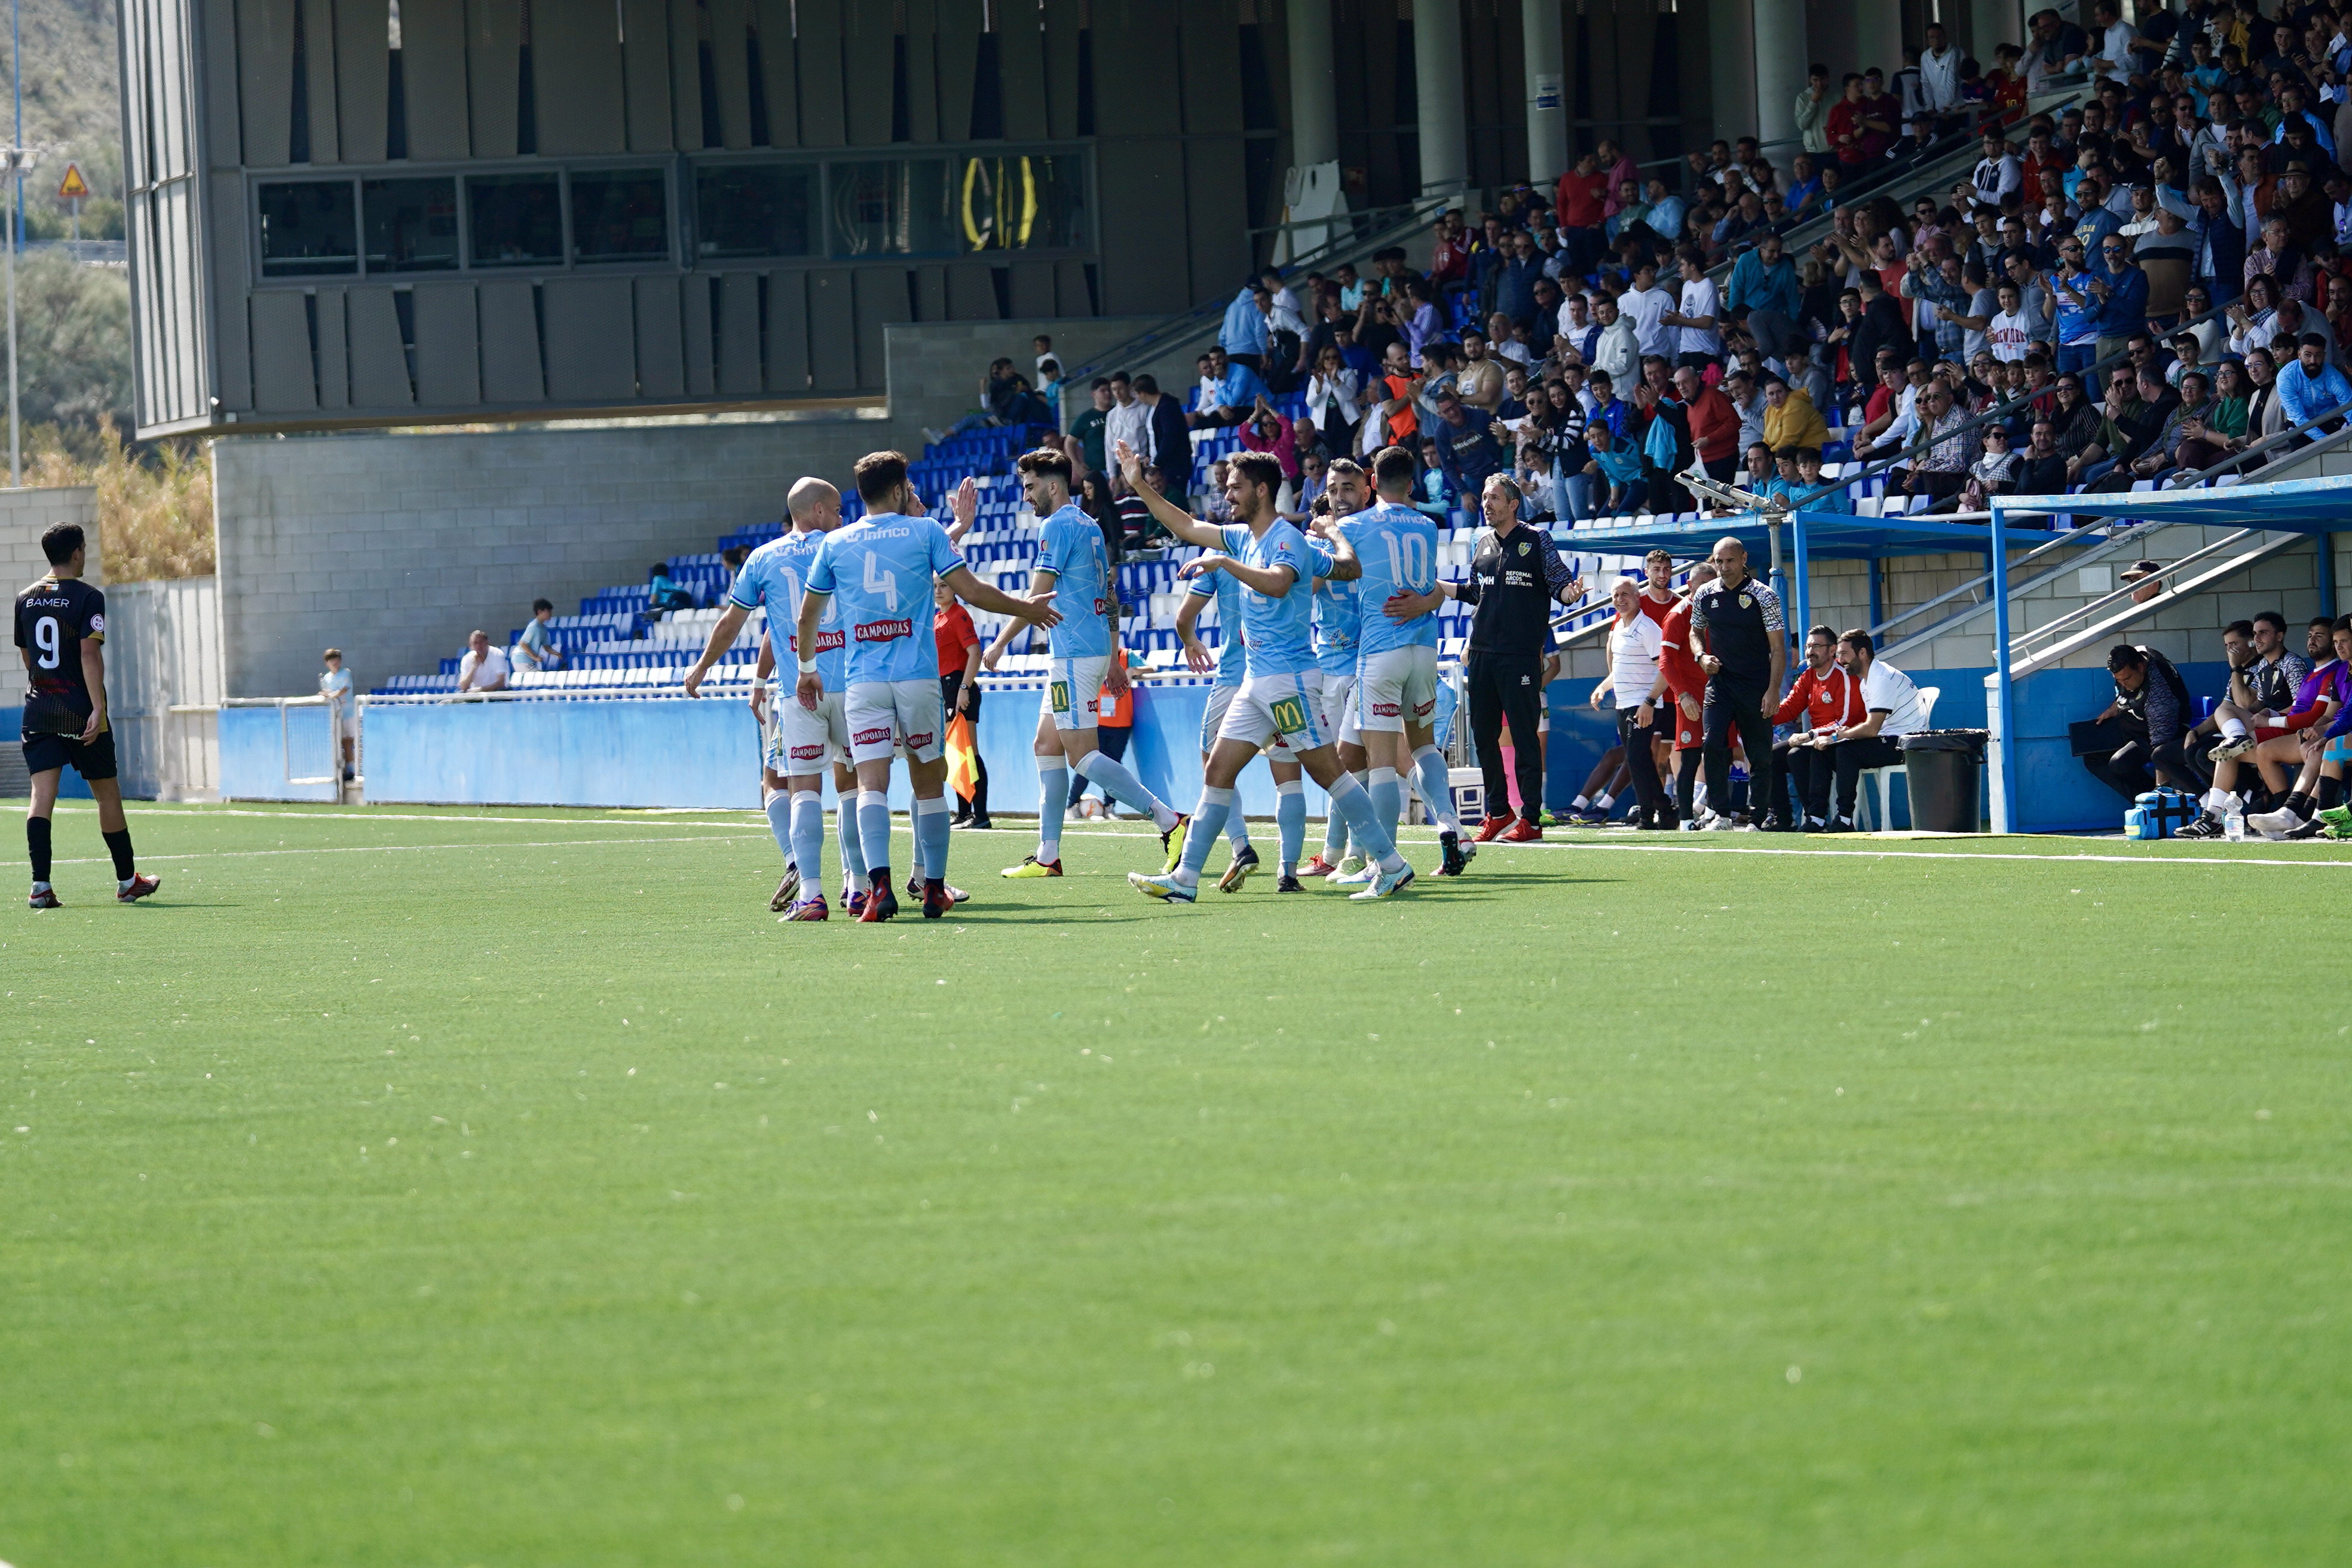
column 1289, row 715
column 1058, row 695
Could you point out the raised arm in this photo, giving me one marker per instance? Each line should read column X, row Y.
column 1346, row 566
column 1173, row 518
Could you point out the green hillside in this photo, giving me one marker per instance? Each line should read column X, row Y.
column 73, row 112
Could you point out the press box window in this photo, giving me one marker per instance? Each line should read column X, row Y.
column 412, row 224
column 517, row 220
column 752, row 210
column 1022, row 201
column 309, row 230
column 899, row 208
column 620, row 214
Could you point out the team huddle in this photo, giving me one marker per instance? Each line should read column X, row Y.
column 1328, row 669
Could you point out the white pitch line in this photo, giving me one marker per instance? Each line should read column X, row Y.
column 387, row 817
column 396, row 849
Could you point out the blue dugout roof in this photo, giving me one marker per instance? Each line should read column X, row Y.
column 2290, row 506
column 1829, row 535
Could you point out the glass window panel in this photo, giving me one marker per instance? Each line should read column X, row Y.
column 1022, row 201
column 752, row 209
column 899, row 208
column 412, row 224
column 517, row 219
column 619, row 214
column 309, row 229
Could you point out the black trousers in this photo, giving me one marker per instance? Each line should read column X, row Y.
column 1641, row 760
column 951, row 684
column 2130, row 770
column 1849, row 758
column 1507, row 688
column 1728, row 709
column 1800, row 781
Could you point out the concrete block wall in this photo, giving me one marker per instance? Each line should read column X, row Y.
column 936, row 368
column 25, row 516
column 393, row 546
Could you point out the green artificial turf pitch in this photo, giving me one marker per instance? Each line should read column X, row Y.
column 418, row 1188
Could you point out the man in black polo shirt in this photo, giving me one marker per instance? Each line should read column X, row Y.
column 1515, row 578
column 1746, row 649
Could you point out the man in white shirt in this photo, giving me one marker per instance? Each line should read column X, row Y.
column 1638, row 685
column 484, row 668
column 1645, row 305
column 2009, row 333
column 1129, row 421
column 1939, row 73
column 1618, row 349
column 1698, row 339
column 1890, row 709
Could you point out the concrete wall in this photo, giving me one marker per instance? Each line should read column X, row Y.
column 393, row 546
column 937, row 367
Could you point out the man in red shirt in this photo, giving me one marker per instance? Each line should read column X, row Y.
column 1826, row 694
column 1583, row 193
column 1714, row 425
column 1686, row 683
column 958, row 648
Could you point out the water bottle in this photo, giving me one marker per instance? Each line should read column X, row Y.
column 2234, row 823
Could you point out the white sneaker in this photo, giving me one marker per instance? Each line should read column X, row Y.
column 1717, row 822
column 1363, row 876
column 1383, row 883
column 2275, row 824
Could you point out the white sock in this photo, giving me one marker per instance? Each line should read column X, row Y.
column 1580, row 803
column 40, row 887
column 2234, row 729
column 1604, row 803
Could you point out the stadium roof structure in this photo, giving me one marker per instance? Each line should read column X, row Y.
column 2290, row 506
column 1830, row 535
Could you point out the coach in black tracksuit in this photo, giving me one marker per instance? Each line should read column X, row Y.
column 1747, row 642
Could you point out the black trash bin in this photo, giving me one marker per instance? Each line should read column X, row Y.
column 1940, row 767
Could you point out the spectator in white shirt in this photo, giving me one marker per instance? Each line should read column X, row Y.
column 1939, row 73
column 1699, row 338
column 1637, row 683
column 1129, row 421
column 1645, row 305
column 1998, row 174
column 484, row 668
column 1890, row 709
column 342, row 713
column 2009, row 334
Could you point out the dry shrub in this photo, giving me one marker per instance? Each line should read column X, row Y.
column 154, row 504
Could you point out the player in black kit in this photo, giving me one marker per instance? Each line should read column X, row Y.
column 60, row 626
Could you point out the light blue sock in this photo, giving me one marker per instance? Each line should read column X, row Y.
column 931, row 837
column 1237, row 828
column 808, row 839
column 1290, row 821
column 1208, row 821
column 1124, row 788
column 1053, row 804
column 853, row 853
column 874, row 829
column 1431, row 778
column 1388, row 799
column 780, row 822
column 1352, row 801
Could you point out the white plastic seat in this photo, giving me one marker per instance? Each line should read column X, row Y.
column 1886, row 775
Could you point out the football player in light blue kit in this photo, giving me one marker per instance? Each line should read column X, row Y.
column 1228, row 662
column 1074, row 564
column 795, row 741
column 878, row 574
column 1396, row 676
column 1279, row 700
column 1338, row 623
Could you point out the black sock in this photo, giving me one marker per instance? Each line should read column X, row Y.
column 118, row 844
column 2331, row 792
column 37, row 841
column 2298, row 803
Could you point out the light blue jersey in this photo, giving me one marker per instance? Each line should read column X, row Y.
column 771, row 579
column 1337, row 609
column 1398, row 547
column 1231, row 661
column 1072, row 548
column 879, row 571
column 1280, row 632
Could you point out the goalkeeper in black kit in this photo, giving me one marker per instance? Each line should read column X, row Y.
column 61, row 633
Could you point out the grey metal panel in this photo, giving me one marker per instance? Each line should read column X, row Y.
column 233, row 368
column 379, row 361
column 433, row 78
column 971, row 293
column 362, row 77
column 282, row 378
column 780, row 69
column 319, row 57
column 333, row 357
column 694, row 330
column 788, row 332
column 738, row 333
column 661, row 356
column 1141, row 186
column 1210, row 38
column 1216, row 230
column 1071, row 295
column 265, row 55
column 931, row 293
column 575, row 67
column 881, row 294
column 833, row 331
column 731, row 22
column 1021, row 70
column 822, row 116
column 493, row 73
column 1062, row 68
column 155, row 45
column 958, row 52
column 510, row 332
column 685, row 76
column 646, row 69
column 1137, row 94
column 224, row 134
column 868, row 51
column 448, row 346
column 1033, row 290
column 592, row 339
column 922, row 71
